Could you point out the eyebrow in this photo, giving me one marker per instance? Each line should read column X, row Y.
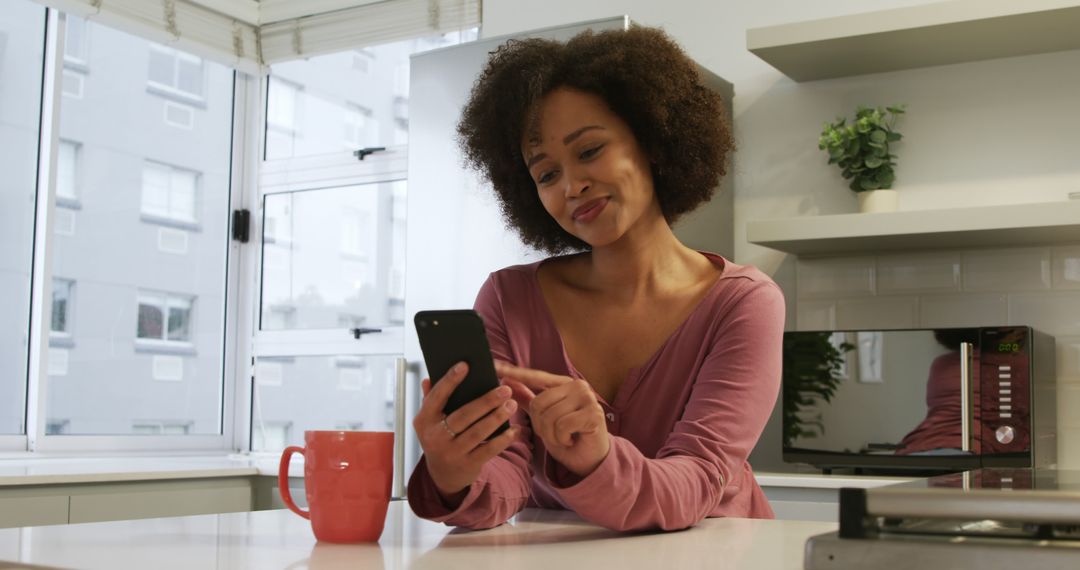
column 566, row 140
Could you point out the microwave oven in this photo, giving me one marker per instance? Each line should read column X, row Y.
column 946, row 399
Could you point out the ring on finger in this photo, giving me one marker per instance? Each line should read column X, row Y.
column 446, row 426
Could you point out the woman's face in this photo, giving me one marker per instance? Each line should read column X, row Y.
column 589, row 171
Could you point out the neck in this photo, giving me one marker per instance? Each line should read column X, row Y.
column 645, row 261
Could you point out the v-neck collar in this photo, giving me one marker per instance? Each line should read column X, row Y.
column 633, row 376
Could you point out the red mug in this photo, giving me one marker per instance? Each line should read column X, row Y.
column 347, row 478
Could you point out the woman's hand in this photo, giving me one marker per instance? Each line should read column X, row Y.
column 455, row 445
column 565, row 414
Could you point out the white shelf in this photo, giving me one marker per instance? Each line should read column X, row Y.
column 988, row 226
column 918, row 36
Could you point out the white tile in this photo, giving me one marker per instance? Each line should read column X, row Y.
column 1054, row 313
column 918, row 273
column 970, row 310
column 835, row 277
column 878, row 312
column 1022, row 269
column 1068, row 448
column 1065, row 271
column 1068, row 408
column 815, row 316
column 1068, row 358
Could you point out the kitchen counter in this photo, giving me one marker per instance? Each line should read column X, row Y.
column 540, row 539
column 75, row 470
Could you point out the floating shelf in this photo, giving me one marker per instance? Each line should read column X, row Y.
column 988, row 226
column 918, row 36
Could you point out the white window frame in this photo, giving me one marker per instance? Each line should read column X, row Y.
column 174, row 90
column 357, row 120
column 68, row 310
column 170, row 215
column 77, row 60
column 244, row 157
column 311, row 173
column 76, row 169
column 168, row 301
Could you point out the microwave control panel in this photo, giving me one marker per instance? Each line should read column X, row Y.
column 1004, row 390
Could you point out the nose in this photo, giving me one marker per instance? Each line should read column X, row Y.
column 577, row 183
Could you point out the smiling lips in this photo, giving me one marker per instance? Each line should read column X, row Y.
column 588, row 211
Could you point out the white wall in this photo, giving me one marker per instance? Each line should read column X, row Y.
column 993, row 132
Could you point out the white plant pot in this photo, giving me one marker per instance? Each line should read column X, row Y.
column 878, row 201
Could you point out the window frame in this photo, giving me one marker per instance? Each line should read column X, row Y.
column 244, row 158
column 174, row 91
column 170, row 217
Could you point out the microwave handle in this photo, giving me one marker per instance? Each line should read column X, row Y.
column 966, row 349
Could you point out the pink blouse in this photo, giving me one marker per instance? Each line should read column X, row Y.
column 681, row 425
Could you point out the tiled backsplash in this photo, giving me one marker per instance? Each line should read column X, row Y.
column 1036, row 286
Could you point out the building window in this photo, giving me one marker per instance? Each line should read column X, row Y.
column 151, row 427
column 67, row 172
column 74, row 84
column 57, row 427
column 75, row 42
column 282, row 103
column 361, row 129
column 362, row 59
column 169, row 192
column 164, row 317
column 174, row 72
column 62, row 292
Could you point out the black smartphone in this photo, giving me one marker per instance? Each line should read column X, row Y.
column 449, row 337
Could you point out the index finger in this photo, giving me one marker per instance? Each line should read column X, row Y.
column 536, row 380
column 439, row 393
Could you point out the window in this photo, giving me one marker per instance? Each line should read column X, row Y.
column 316, row 285
column 75, row 43
column 155, row 313
column 165, row 317
column 315, row 392
column 362, row 60
column 21, row 53
column 150, row 427
column 62, row 293
column 73, row 84
column 175, row 73
column 169, row 193
column 365, row 91
column 67, row 172
column 282, row 104
column 360, row 129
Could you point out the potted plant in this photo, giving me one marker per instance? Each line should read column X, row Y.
column 861, row 150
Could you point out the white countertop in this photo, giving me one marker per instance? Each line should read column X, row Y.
column 540, row 539
column 67, row 470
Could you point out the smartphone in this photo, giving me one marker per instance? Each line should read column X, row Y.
column 449, row 337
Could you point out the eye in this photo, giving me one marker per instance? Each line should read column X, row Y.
column 590, row 152
column 546, row 176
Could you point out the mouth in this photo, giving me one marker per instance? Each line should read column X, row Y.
column 588, row 211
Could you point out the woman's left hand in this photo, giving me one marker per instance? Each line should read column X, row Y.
column 564, row 413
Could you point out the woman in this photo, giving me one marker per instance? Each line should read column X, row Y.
column 638, row 372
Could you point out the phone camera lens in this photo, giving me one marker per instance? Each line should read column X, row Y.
column 423, row 324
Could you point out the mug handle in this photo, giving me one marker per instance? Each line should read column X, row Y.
column 283, row 480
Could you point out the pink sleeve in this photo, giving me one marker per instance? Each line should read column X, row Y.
column 732, row 398
column 504, row 484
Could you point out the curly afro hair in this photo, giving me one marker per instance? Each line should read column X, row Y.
column 643, row 76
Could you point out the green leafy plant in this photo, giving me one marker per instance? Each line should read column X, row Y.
column 861, row 149
column 812, row 364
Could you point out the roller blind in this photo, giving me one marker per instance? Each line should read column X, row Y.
column 370, row 24
column 184, row 25
column 229, row 31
